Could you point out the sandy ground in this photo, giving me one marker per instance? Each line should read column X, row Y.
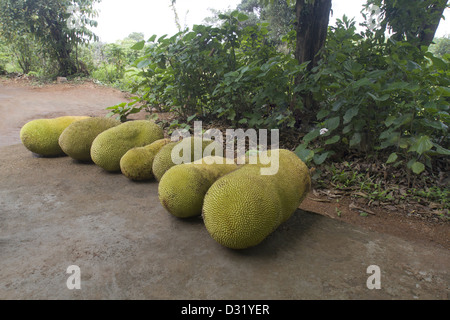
column 56, row 212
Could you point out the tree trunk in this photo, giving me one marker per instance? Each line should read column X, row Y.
column 61, row 48
column 429, row 30
column 312, row 26
column 312, row 18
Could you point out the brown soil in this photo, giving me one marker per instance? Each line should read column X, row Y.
column 21, row 101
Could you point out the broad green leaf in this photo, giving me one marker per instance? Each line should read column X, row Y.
column 138, row 45
column 242, row 17
column 337, row 105
column 421, row 145
column 442, row 150
column 311, row 136
column 392, row 158
column 322, row 114
column 319, row 159
column 390, row 120
column 418, row 167
column 303, row 153
column 333, row 123
column 333, row 140
column 350, row 114
column 143, row 63
column 439, row 63
column 189, row 119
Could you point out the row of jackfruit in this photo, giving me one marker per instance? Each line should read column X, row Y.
column 239, row 206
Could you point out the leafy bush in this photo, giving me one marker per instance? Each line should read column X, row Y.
column 229, row 72
column 378, row 97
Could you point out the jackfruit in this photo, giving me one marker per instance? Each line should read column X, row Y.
column 291, row 194
column 41, row 136
column 163, row 159
column 109, row 146
column 76, row 140
column 183, row 187
column 244, row 207
column 136, row 164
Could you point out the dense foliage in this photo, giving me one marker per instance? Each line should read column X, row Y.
column 226, row 72
column 47, row 32
column 379, row 96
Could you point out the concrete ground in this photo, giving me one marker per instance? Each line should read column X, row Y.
column 55, row 212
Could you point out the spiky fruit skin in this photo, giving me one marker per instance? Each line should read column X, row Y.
column 163, row 160
column 110, row 145
column 136, row 164
column 243, row 207
column 183, row 187
column 292, row 184
column 76, row 140
column 41, row 136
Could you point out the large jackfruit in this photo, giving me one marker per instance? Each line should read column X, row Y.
column 41, row 136
column 110, row 145
column 76, row 140
column 136, row 164
column 183, row 187
column 163, row 160
column 243, row 207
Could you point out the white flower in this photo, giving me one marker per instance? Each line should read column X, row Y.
column 323, row 131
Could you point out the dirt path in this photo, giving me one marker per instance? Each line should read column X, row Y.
column 21, row 102
column 413, row 253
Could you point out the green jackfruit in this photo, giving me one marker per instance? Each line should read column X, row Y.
column 183, row 187
column 76, row 140
column 41, row 135
column 136, row 164
column 110, row 145
column 243, row 207
column 294, row 192
column 163, row 160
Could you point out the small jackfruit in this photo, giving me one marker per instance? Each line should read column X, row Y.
column 163, row 160
column 183, row 187
column 243, row 207
column 136, row 164
column 41, row 136
column 76, row 140
column 109, row 146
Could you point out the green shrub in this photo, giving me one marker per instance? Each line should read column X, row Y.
column 378, row 96
column 230, row 72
